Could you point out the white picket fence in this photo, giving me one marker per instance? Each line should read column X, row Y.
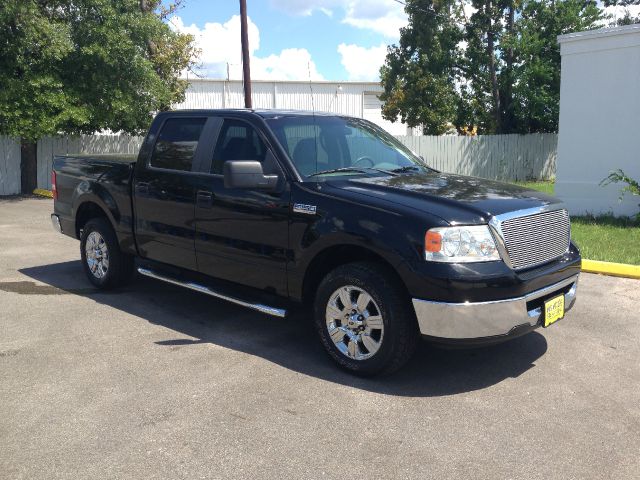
column 499, row 157
column 48, row 147
column 9, row 166
column 502, row 157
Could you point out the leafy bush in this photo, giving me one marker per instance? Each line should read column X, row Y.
column 618, row 176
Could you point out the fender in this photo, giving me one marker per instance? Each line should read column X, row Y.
column 341, row 219
column 88, row 191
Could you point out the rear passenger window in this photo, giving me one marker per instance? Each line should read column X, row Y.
column 237, row 141
column 177, row 143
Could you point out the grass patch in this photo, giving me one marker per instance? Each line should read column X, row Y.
column 607, row 238
column 544, row 187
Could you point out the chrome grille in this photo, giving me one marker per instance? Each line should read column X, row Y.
column 535, row 239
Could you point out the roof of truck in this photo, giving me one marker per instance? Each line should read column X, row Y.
column 265, row 113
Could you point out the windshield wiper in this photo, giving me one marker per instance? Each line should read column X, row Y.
column 351, row 169
column 406, row 168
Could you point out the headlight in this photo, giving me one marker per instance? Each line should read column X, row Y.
column 460, row 244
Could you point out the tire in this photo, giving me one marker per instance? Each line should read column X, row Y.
column 382, row 334
column 104, row 264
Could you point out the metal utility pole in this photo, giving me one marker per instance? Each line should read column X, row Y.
column 246, row 71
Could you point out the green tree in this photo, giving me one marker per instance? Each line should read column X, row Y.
column 420, row 74
column 80, row 66
column 537, row 87
column 499, row 65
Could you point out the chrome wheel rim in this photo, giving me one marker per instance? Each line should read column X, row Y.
column 97, row 255
column 354, row 322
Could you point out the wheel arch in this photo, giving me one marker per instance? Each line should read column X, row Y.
column 334, row 256
column 90, row 199
column 87, row 210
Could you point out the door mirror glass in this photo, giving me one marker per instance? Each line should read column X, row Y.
column 247, row 174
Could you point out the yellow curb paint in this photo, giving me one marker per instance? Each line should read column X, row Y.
column 43, row 193
column 608, row 268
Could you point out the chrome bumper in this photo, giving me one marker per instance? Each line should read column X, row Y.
column 486, row 319
column 55, row 221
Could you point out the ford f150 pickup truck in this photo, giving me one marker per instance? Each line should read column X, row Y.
column 268, row 209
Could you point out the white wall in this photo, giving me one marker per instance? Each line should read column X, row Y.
column 599, row 118
column 347, row 98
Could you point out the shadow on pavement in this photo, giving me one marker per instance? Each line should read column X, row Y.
column 290, row 342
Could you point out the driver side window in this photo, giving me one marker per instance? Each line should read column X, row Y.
column 237, row 141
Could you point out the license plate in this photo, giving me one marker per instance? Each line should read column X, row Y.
column 553, row 310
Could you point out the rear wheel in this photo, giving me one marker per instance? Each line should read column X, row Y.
column 364, row 319
column 104, row 264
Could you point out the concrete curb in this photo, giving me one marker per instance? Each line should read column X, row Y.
column 613, row 269
column 43, row 193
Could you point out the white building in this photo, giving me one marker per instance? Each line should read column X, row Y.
column 599, row 118
column 358, row 99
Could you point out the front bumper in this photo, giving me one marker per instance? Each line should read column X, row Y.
column 490, row 320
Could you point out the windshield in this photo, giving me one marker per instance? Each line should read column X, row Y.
column 321, row 146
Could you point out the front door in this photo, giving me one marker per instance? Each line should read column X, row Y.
column 242, row 235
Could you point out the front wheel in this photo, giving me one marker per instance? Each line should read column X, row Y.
column 104, row 264
column 364, row 319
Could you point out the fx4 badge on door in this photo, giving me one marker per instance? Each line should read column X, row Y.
column 302, row 208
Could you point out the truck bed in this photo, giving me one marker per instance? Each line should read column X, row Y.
column 107, row 178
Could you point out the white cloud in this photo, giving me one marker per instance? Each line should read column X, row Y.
column 618, row 11
column 290, row 64
column 384, row 17
column 362, row 63
column 469, row 9
column 219, row 44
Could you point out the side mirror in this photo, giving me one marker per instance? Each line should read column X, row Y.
column 247, row 174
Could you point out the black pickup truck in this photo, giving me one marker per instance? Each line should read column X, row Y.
column 269, row 209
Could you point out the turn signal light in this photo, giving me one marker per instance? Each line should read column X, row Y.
column 432, row 241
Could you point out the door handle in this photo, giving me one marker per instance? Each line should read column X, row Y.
column 143, row 188
column 204, row 199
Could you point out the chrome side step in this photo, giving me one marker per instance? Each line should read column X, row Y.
column 276, row 312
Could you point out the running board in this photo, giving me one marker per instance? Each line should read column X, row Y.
column 276, row 312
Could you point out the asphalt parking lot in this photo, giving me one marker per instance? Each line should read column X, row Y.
column 154, row 381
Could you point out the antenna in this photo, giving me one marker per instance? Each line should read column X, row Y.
column 313, row 107
column 313, row 112
column 335, row 96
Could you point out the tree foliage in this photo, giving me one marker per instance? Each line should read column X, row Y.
column 78, row 66
column 491, row 66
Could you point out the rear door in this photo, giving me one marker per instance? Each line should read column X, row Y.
column 165, row 189
column 242, row 235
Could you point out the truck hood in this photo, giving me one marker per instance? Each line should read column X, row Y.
column 455, row 198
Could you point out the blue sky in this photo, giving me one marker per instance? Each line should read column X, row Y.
column 331, row 39
column 335, row 40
